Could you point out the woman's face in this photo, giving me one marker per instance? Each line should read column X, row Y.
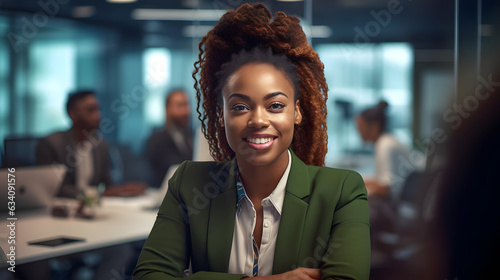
column 362, row 128
column 368, row 131
column 260, row 113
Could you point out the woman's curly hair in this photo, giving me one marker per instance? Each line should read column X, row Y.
column 247, row 28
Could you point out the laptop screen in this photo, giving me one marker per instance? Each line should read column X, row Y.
column 30, row 187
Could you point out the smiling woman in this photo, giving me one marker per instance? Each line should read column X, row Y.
column 266, row 208
column 232, row 43
column 259, row 110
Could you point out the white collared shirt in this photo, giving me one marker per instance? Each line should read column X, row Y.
column 393, row 164
column 242, row 258
column 85, row 164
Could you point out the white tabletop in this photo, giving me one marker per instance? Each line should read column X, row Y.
column 118, row 221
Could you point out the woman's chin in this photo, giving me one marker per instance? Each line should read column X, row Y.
column 261, row 157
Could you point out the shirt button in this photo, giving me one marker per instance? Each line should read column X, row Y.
column 267, row 223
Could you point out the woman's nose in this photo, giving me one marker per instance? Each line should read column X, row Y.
column 258, row 118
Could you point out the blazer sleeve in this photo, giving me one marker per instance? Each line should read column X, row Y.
column 348, row 254
column 166, row 253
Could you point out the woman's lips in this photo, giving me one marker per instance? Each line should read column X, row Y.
column 260, row 142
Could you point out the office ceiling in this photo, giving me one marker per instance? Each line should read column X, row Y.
column 427, row 23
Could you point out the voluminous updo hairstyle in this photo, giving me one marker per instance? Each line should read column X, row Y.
column 248, row 34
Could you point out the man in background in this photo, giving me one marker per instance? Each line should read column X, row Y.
column 173, row 144
column 83, row 150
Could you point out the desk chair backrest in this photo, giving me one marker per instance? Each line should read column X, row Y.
column 416, row 202
column 20, row 151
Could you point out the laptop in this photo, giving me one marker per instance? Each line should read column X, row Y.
column 35, row 186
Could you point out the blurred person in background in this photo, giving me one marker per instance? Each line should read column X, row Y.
column 83, row 150
column 463, row 238
column 385, row 187
column 173, row 144
column 389, row 152
column 85, row 153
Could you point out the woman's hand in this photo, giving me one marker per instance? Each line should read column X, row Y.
column 300, row 273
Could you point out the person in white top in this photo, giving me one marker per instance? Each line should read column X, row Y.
column 389, row 152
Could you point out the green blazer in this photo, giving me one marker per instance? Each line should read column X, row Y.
column 324, row 224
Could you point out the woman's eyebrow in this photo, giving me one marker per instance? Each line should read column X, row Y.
column 273, row 94
column 240, row 95
column 247, row 98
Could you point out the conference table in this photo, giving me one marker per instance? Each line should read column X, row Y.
column 117, row 221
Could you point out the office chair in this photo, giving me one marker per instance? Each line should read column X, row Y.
column 399, row 248
column 20, row 151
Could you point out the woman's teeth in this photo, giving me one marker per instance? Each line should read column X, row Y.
column 259, row 140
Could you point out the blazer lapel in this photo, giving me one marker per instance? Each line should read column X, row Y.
column 292, row 218
column 221, row 221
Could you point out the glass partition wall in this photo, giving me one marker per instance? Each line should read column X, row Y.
column 368, row 57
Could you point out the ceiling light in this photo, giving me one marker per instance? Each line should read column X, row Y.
column 177, row 14
column 290, row 0
column 315, row 31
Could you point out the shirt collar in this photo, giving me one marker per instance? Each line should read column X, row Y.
column 276, row 198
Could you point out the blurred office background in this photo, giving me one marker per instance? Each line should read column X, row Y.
column 412, row 54
column 132, row 52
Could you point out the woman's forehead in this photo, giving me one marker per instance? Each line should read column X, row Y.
column 259, row 77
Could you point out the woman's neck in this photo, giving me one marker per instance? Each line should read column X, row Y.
column 261, row 180
column 377, row 136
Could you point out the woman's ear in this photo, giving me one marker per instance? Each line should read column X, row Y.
column 221, row 118
column 298, row 114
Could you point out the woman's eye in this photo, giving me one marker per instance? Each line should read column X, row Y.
column 238, row 108
column 277, row 106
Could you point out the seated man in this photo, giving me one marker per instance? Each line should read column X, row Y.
column 173, row 144
column 85, row 153
column 82, row 149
